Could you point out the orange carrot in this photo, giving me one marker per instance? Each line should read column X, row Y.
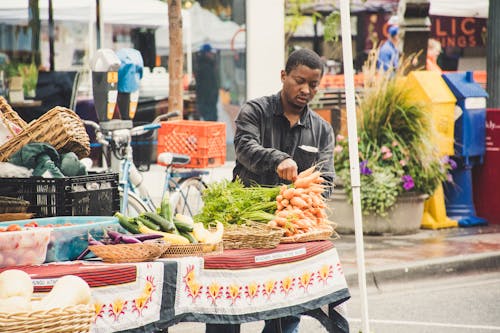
column 289, row 193
column 298, row 202
column 306, row 172
column 305, row 182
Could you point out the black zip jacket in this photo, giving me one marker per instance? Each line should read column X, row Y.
column 263, row 139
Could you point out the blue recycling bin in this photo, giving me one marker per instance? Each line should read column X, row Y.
column 459, row 197
column 470, row 125
column 129, row 81
column 469, row 146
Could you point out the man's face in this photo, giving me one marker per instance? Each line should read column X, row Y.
column 300, row 86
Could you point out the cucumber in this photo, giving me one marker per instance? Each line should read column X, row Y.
column 182, row 226
column 162, row 223
column 127, row 224
column 188, row 236
column 148, row 223
column 166, row 210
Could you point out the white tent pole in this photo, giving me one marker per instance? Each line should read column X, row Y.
column 353, row 158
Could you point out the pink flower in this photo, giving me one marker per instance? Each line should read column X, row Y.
column 387, row 155
column 340, row 137
column 338, row 149
column 395, row 143
column 384, row 150
column 402, row 162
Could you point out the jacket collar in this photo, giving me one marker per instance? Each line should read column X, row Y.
column 304, row 117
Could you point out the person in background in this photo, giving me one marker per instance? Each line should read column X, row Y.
column 388, row 57
column 433, row 52
column 207, row 83
column 279, row 136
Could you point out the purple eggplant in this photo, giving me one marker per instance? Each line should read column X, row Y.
column 83, row 254
column 93, row 241
column 129, row 239
column 145, row 237
column 114, row 235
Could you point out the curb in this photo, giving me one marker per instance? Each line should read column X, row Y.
column 424, row 269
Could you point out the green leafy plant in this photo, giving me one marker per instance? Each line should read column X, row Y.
column 396, row 154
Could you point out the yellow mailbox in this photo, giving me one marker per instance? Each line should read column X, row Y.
column 430, row 88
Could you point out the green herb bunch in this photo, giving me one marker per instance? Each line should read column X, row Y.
column 233, row 203
column 395, row 150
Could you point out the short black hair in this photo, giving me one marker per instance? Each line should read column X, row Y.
column 304, row 57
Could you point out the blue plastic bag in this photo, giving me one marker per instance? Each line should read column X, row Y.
column 130, row 71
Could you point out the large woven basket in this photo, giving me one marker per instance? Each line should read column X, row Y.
column 13, row 205
column 72, row 319
column 60, row 127
column 192, row 250
column 251, row 235
column 138, row 252
column 10, row 114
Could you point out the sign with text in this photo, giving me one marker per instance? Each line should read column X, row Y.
column 459, row 31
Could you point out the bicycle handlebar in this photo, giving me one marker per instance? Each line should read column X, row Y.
column 138, row 130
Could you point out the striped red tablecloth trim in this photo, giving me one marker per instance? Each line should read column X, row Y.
column 95, row 274
column 246, row 258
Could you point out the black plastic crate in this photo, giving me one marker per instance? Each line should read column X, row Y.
column 95, row 194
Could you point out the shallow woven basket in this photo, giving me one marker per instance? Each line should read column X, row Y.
column 10, row 114
column 72, row 319
column 13, row 205
column 138, row 252
column 251, row 235
column 60, row 127
column 192, row 250
column 315, row 235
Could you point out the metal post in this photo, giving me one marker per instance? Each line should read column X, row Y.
column 493, row 55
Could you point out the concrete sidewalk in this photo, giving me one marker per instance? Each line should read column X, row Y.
column 428, row 253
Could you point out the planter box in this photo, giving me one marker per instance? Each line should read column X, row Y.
column 404, row 218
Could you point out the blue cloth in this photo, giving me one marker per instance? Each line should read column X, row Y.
column 388, row 56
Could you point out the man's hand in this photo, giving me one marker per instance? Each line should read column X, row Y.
column 287, row 170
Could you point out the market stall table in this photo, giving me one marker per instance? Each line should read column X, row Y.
column 234, row 287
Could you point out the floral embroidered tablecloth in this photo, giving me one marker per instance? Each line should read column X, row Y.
column 266, row 284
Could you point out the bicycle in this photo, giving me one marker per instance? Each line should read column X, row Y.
column 184, row 186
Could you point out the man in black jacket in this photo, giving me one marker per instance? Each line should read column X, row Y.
column 279, row 136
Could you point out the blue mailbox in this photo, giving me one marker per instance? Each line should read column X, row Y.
column 129, row 81
column 469, row 147
column 470, row 130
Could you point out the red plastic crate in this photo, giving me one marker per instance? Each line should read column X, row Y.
column 203, row 141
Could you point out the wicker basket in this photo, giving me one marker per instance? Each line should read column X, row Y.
column 15, row 216
column 10, row 114
column 72, row 319
column 315, row 235
column 192, row 250
column 60, row 127
column 251, row 236
column 13, row 205
column 138, row 252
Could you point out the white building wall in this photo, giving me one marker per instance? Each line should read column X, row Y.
column 265, row 23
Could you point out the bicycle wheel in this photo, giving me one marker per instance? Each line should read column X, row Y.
column 189, row 199
column 135, row 205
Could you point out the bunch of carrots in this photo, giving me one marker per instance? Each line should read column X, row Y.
column 300, row 206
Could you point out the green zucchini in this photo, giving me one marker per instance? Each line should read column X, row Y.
column 148, row 223
column 166, row 210
column 182, row 225
column 162, row 223
column 127, row 223
column 190, row 237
